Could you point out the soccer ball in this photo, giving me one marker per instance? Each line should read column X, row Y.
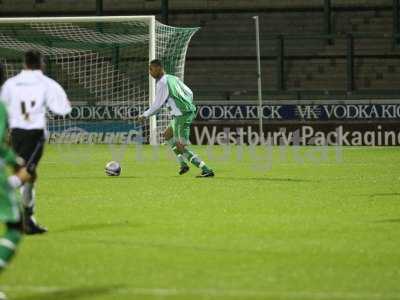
column 113, row 168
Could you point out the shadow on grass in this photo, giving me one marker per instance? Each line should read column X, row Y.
column 264, row 179
column 91, row 227
column 175, row 246
column 384, row 195
column 93, row 177
column 388, row 221
column 69, row 294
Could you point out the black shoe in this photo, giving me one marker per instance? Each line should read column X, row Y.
column 184, row 169
column 206, row 173
column 31, row 227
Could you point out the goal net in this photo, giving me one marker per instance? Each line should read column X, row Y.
column 102, row 63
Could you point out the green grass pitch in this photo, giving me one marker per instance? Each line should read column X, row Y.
column 294, row 223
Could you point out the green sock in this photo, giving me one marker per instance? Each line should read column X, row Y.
column 179, row 156
column 195, row 160
column 8, row 245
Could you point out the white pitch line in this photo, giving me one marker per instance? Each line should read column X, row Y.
column 239, row 293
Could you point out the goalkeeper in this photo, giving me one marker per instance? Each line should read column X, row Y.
column 179, row 99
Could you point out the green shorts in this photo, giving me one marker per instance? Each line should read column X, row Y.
column 9, row 203
column 181, row 127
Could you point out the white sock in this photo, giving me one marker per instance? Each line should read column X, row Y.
column 28, row 195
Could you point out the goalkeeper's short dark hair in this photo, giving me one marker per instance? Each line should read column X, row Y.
column 33, row 59
column 156, row 62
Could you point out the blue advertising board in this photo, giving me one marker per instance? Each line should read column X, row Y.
column 95, row 132
column 241, row 111
column 295, row 112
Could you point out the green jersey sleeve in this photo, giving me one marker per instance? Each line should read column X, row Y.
column 6, row 153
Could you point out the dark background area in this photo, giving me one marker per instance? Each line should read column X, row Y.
column 311, row 49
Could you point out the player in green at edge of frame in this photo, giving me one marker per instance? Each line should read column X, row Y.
column 179, row 99
column 10, row 209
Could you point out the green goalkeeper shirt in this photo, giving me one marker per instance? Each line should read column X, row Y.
column 172, row 91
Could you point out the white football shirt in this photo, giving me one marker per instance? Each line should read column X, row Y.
column 162, row 96
column 28, row 95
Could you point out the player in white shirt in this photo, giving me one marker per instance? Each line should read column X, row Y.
column 173, row 92
column 27, row 96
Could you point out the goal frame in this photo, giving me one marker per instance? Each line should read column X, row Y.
column 150, row 20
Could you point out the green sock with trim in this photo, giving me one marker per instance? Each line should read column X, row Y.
column 180, row 158
column 8, row 244
column 195, row 160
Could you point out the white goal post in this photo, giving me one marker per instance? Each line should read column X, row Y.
column 102, row 62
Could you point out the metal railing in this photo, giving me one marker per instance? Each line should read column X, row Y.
column 350, row 54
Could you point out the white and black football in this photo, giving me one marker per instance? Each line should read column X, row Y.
column 113, row 168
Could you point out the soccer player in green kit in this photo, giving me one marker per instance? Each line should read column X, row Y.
column 179, row 98
column 10, row 211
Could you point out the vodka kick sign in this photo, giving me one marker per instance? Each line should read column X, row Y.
column 294, row 112
column 247, row 112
